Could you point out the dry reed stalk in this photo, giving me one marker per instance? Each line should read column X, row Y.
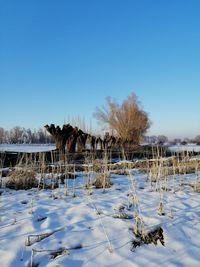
column 174, row 172
column 74, row 187
column 32, row 239
column 66, row 175
column 139, row 223
column 2, row 159
column 88, row 182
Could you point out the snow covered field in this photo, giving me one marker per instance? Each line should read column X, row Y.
column 38, row 225
column 26, row 148
column 189, row 147
column 48, row 147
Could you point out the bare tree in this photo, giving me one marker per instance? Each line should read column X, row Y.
column 16, row 135
column 151, row 139
column 185, row 141
column 128, row 120
column 162, row 139
column 176, row 141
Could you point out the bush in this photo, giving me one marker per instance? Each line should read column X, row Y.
column 127, row 120
column 103, row 180
column 22, row 179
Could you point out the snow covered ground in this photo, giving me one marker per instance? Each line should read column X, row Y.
column 26, row 147
column 188, row 147
column 48, row 147
column 86, row 226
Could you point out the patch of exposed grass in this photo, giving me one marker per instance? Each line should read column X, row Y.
column 24, row 178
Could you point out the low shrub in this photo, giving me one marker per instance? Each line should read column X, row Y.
column 102, row 180
column 22, row 179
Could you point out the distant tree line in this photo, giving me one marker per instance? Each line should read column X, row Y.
column 19, row 135
column 162, row 139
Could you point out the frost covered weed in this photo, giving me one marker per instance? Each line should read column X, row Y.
column 103, row 177
column 138, row 227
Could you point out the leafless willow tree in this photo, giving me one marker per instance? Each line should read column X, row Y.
column 127, row 120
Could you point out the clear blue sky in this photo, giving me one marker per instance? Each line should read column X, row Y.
column 60, row 58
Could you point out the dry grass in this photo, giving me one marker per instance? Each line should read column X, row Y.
column 150, row 237
column 102, row 180
column 196, row 187
column 24, row 178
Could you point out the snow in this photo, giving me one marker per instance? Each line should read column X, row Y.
column 189, row 147
column 85, row 225
column 26, row 148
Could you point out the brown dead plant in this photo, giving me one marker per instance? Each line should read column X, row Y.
column 22, row 178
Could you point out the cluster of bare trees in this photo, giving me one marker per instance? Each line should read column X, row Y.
column 153, row 139
column 186, row 141
column 127, row 123
column 19, row 135
column 72, row 139
column 162, row 139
